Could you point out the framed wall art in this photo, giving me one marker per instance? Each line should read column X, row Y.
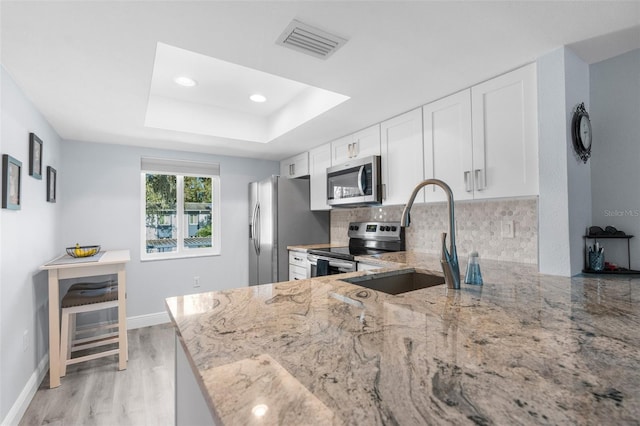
column 35, row 156
column 11, row 174
column 51, row 184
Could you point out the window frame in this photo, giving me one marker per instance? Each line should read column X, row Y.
column 181, row 218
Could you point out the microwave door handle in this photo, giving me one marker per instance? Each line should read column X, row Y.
column 360, row 185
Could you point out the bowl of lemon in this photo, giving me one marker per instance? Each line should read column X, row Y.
column 82, row 251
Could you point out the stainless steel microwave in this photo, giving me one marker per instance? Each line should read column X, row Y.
column 355, row 183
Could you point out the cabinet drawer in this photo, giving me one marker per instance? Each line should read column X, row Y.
column 297, row 273
column 298, row 258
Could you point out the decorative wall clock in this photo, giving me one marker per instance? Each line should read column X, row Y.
column 581, row 132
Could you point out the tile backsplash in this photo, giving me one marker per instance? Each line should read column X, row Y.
column 478, row 227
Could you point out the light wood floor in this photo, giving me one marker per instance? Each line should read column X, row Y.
column 96, row 393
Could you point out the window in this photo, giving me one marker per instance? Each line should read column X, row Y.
column 180, row 208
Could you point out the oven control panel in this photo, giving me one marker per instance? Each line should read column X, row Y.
column 374, row 230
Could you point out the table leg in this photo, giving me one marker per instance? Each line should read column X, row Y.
column 54, row 329
column 122, row 319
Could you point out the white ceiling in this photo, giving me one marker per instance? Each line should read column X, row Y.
column 88, row 66
column 219, row 103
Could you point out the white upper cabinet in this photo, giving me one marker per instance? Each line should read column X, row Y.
column 295, row 166
column 483, row 141
column 319, row 160
column 402, row 157
column 358, row 145
column 505, row 135
column 448, row 152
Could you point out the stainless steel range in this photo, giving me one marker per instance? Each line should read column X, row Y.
column 365, row 238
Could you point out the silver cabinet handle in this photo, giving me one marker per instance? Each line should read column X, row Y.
column 299, row 259
column 293, row 167
column 350, row 150
column 356, row 149
column 467, row 181
column 479, row 179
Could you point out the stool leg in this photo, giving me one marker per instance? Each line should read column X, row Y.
column 64, row 343
column 123, row 347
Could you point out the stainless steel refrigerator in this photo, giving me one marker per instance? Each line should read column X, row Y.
column 279, row 216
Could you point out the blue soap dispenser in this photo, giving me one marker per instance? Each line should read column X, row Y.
column 473, row 275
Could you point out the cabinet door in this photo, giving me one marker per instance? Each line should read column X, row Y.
column 297, row 273
column 341, row 150
column 366, row 142
column 296, row 166
column 505, row 135
column 319, row 160
column 361, row 144
column 402, row 157
column 447, row 146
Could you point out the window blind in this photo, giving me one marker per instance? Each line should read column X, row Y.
column 164, row 165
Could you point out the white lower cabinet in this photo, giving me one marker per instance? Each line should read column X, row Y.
column 319, row 160
column 402, row 157
column 299, row 268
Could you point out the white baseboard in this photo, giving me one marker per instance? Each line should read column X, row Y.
column 147, row 320
column 24, row 399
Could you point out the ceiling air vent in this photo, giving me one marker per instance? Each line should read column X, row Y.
column 310, row 40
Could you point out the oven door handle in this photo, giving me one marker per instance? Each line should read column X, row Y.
column 341, row 265
column 313, row 260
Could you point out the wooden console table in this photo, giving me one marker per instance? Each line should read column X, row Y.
column 111, row 262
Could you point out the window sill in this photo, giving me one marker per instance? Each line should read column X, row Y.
column 144, row 258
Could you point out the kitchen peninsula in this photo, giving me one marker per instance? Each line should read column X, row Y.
column 524, row 348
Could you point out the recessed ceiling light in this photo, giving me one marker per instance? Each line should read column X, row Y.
column 257, row 98
column 185, row 81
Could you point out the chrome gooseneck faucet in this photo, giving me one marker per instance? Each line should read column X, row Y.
column 449, row 259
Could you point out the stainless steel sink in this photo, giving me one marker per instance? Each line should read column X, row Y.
column 397, row 282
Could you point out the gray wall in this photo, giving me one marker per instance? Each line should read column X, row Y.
column 29, row 238
column 102, row 205
column 99, row 202
column 615, row 170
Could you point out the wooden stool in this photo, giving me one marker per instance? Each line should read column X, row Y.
column 88, row 297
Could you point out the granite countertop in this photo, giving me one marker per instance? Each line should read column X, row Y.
column 524, row 348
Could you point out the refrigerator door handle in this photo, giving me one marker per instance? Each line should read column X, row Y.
column 256, row 240
column 252, row 225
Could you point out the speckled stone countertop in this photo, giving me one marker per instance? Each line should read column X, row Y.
column 524, row 348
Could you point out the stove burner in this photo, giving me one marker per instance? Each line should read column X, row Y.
column 367, row 239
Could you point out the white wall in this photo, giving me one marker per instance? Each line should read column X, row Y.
column 579, row 173
column 615, row 174
column 29, row 238
column 553, row 205
column 565, row 184
column 101, row 194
